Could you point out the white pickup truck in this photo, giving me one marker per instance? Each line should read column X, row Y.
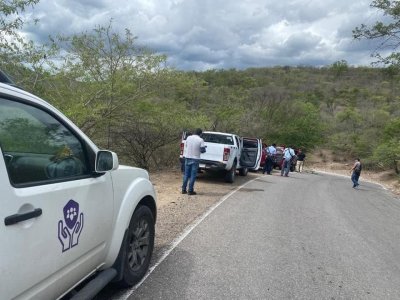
column 70, row 213
column 228, row 152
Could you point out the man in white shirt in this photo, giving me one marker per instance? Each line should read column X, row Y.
column 194, row 147
column 288, row 154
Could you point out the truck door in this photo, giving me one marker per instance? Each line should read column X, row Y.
column 55, row 216
column 251, row 153
column 239, row 142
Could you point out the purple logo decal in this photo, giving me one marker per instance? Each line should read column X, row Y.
column 69, row 235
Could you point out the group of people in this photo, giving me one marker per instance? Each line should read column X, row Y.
column 288, row 156
column 195, row 146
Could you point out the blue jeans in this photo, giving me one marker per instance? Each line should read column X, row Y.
column 183, row 165
column 191, row 167
column 354, row 177
column 286, row 167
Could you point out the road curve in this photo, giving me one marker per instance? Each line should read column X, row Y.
column 308, row 236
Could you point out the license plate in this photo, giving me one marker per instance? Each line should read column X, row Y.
column 202, row 166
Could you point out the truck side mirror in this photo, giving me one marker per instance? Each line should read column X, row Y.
column 106, row 161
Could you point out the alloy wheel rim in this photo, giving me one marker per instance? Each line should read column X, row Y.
column 139, row 242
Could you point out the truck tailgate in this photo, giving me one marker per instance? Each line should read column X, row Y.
column 214, row 152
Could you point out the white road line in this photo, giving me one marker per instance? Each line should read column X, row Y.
column 179, row 239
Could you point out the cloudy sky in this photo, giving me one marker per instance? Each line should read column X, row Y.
column 215, row 34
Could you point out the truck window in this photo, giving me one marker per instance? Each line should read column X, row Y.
column 217, row 138
column 36, row 147
column 250, row 144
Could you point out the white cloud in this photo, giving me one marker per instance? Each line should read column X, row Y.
column 223, row 33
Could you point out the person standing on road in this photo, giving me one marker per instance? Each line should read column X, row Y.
column 288, row 154
column 300, row 161
column 356, row 172
column 269, row 162
column 195, row 146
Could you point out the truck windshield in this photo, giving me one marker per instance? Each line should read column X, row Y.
column 217, row 138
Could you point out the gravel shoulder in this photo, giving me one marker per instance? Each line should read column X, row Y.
column 177, row 211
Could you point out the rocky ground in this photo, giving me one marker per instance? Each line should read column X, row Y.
column 177, row 211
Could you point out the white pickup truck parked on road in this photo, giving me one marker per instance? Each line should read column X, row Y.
column 69, row 211
column 228, row 152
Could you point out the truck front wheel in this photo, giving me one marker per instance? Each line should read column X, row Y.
column 139, row 246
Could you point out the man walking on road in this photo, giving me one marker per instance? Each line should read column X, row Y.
column 356, row 172
column 288, row 154
column 194, row 146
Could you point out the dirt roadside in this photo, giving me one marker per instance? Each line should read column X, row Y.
column 177, row 211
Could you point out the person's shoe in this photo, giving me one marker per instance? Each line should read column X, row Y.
column 184, row 192
column 286, row 175
column 192, row 193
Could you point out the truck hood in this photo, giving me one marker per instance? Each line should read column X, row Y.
column 127, row 179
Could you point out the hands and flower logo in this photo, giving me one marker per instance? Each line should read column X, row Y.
column 69, row 235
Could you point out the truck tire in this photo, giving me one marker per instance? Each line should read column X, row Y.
column 138, row 246
column 230, row 175
column 243, row 171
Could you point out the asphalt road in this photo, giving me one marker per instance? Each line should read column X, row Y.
column 308, row 236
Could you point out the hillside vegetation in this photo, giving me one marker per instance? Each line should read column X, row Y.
column 129, row 101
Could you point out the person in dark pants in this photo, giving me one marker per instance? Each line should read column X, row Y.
column 356, row 172
column 269, row 161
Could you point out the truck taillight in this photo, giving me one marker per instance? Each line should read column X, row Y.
column 227, row 152
column 182, row 146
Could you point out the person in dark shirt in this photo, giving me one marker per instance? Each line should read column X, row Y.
column 300, row 161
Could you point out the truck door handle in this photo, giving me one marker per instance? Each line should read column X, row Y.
column 13, row 219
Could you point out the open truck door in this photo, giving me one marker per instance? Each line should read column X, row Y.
column 251, row 153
